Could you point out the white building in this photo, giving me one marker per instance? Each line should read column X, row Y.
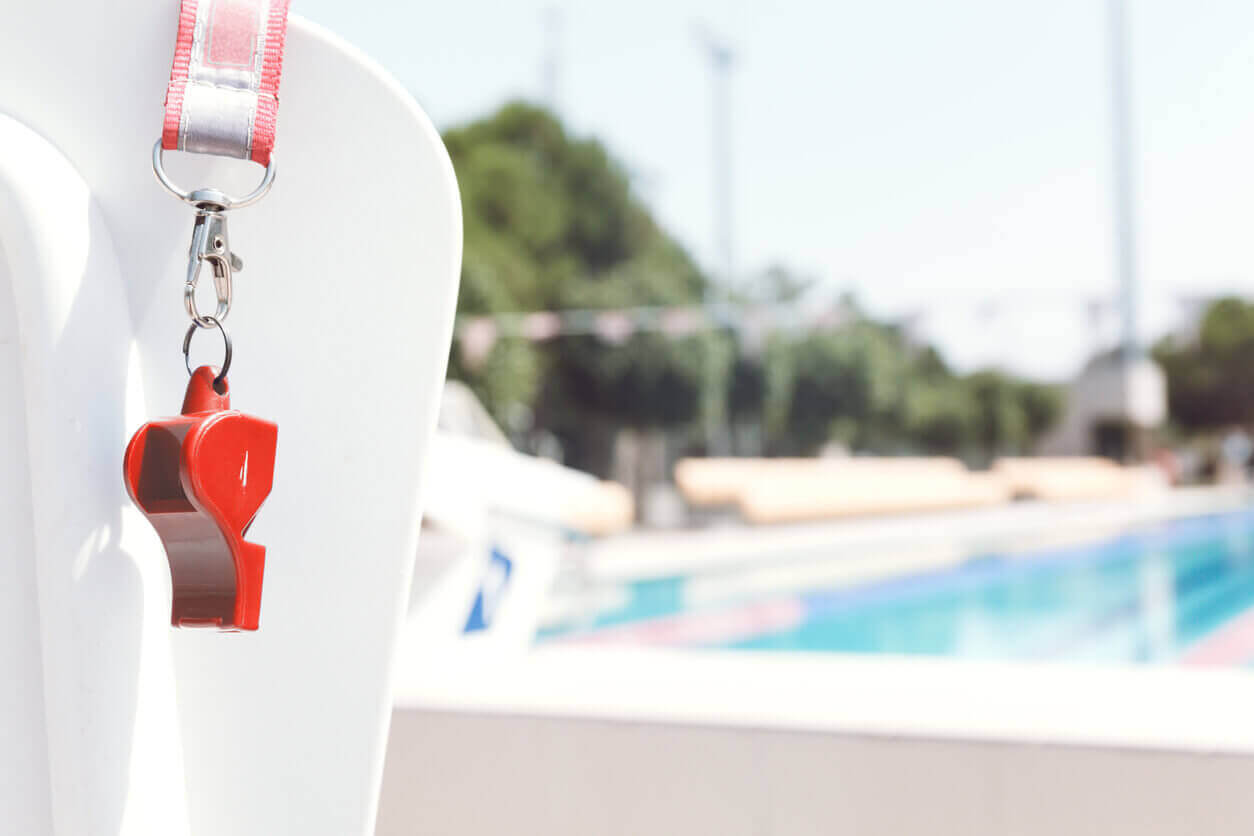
column 1111, row 407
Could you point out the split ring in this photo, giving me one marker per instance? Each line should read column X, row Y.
column 212, row 196
column 226, row 342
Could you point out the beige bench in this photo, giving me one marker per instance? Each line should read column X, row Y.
column 721, row 481
column 865, row 490
column 780, row 490
column 1066, row 478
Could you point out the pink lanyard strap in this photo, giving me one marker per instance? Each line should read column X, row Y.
column 223, row 96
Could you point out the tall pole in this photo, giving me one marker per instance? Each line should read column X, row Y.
column 721, row 58
column 1124, row 184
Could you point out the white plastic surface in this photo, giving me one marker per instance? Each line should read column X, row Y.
column 342, row 321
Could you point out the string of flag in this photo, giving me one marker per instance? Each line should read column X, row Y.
column 478, row 334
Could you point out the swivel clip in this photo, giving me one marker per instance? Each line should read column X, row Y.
column 210, row 244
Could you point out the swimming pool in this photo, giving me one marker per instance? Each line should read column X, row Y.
column 1180, row 591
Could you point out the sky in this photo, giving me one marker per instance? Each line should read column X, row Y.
column 948, row 163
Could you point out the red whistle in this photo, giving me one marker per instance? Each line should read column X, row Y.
column 200, row 478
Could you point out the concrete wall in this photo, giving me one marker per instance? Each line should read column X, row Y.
column 464, row 773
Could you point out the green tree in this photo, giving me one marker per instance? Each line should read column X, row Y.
column 1042, row 406
column 867, row 385
column 1210, row 379
column 1001, row 423
column 939, row 416
column 551, row 223
column 846, row 384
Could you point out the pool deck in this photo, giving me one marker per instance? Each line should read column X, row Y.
column 625, row 741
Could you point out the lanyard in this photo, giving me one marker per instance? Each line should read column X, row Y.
column 223, row 96
column 223, row 99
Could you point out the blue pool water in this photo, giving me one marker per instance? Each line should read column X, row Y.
column 1181, row 590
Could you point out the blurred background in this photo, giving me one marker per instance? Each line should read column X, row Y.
column 731, row 229
column 972, row 269
column 818, row 267
column 799, row 333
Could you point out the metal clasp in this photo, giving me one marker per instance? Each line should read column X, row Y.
column 210, row 244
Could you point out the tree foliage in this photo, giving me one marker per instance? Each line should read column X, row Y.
column 551, row 224
column 866, row 385
column 1210, row 379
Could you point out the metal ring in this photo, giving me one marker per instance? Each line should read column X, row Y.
column 211, row 195
column 226, row 341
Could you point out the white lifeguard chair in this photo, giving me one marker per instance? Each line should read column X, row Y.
column 110, row 722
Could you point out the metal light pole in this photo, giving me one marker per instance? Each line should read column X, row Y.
column 721, row 59
column 1124, row 185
